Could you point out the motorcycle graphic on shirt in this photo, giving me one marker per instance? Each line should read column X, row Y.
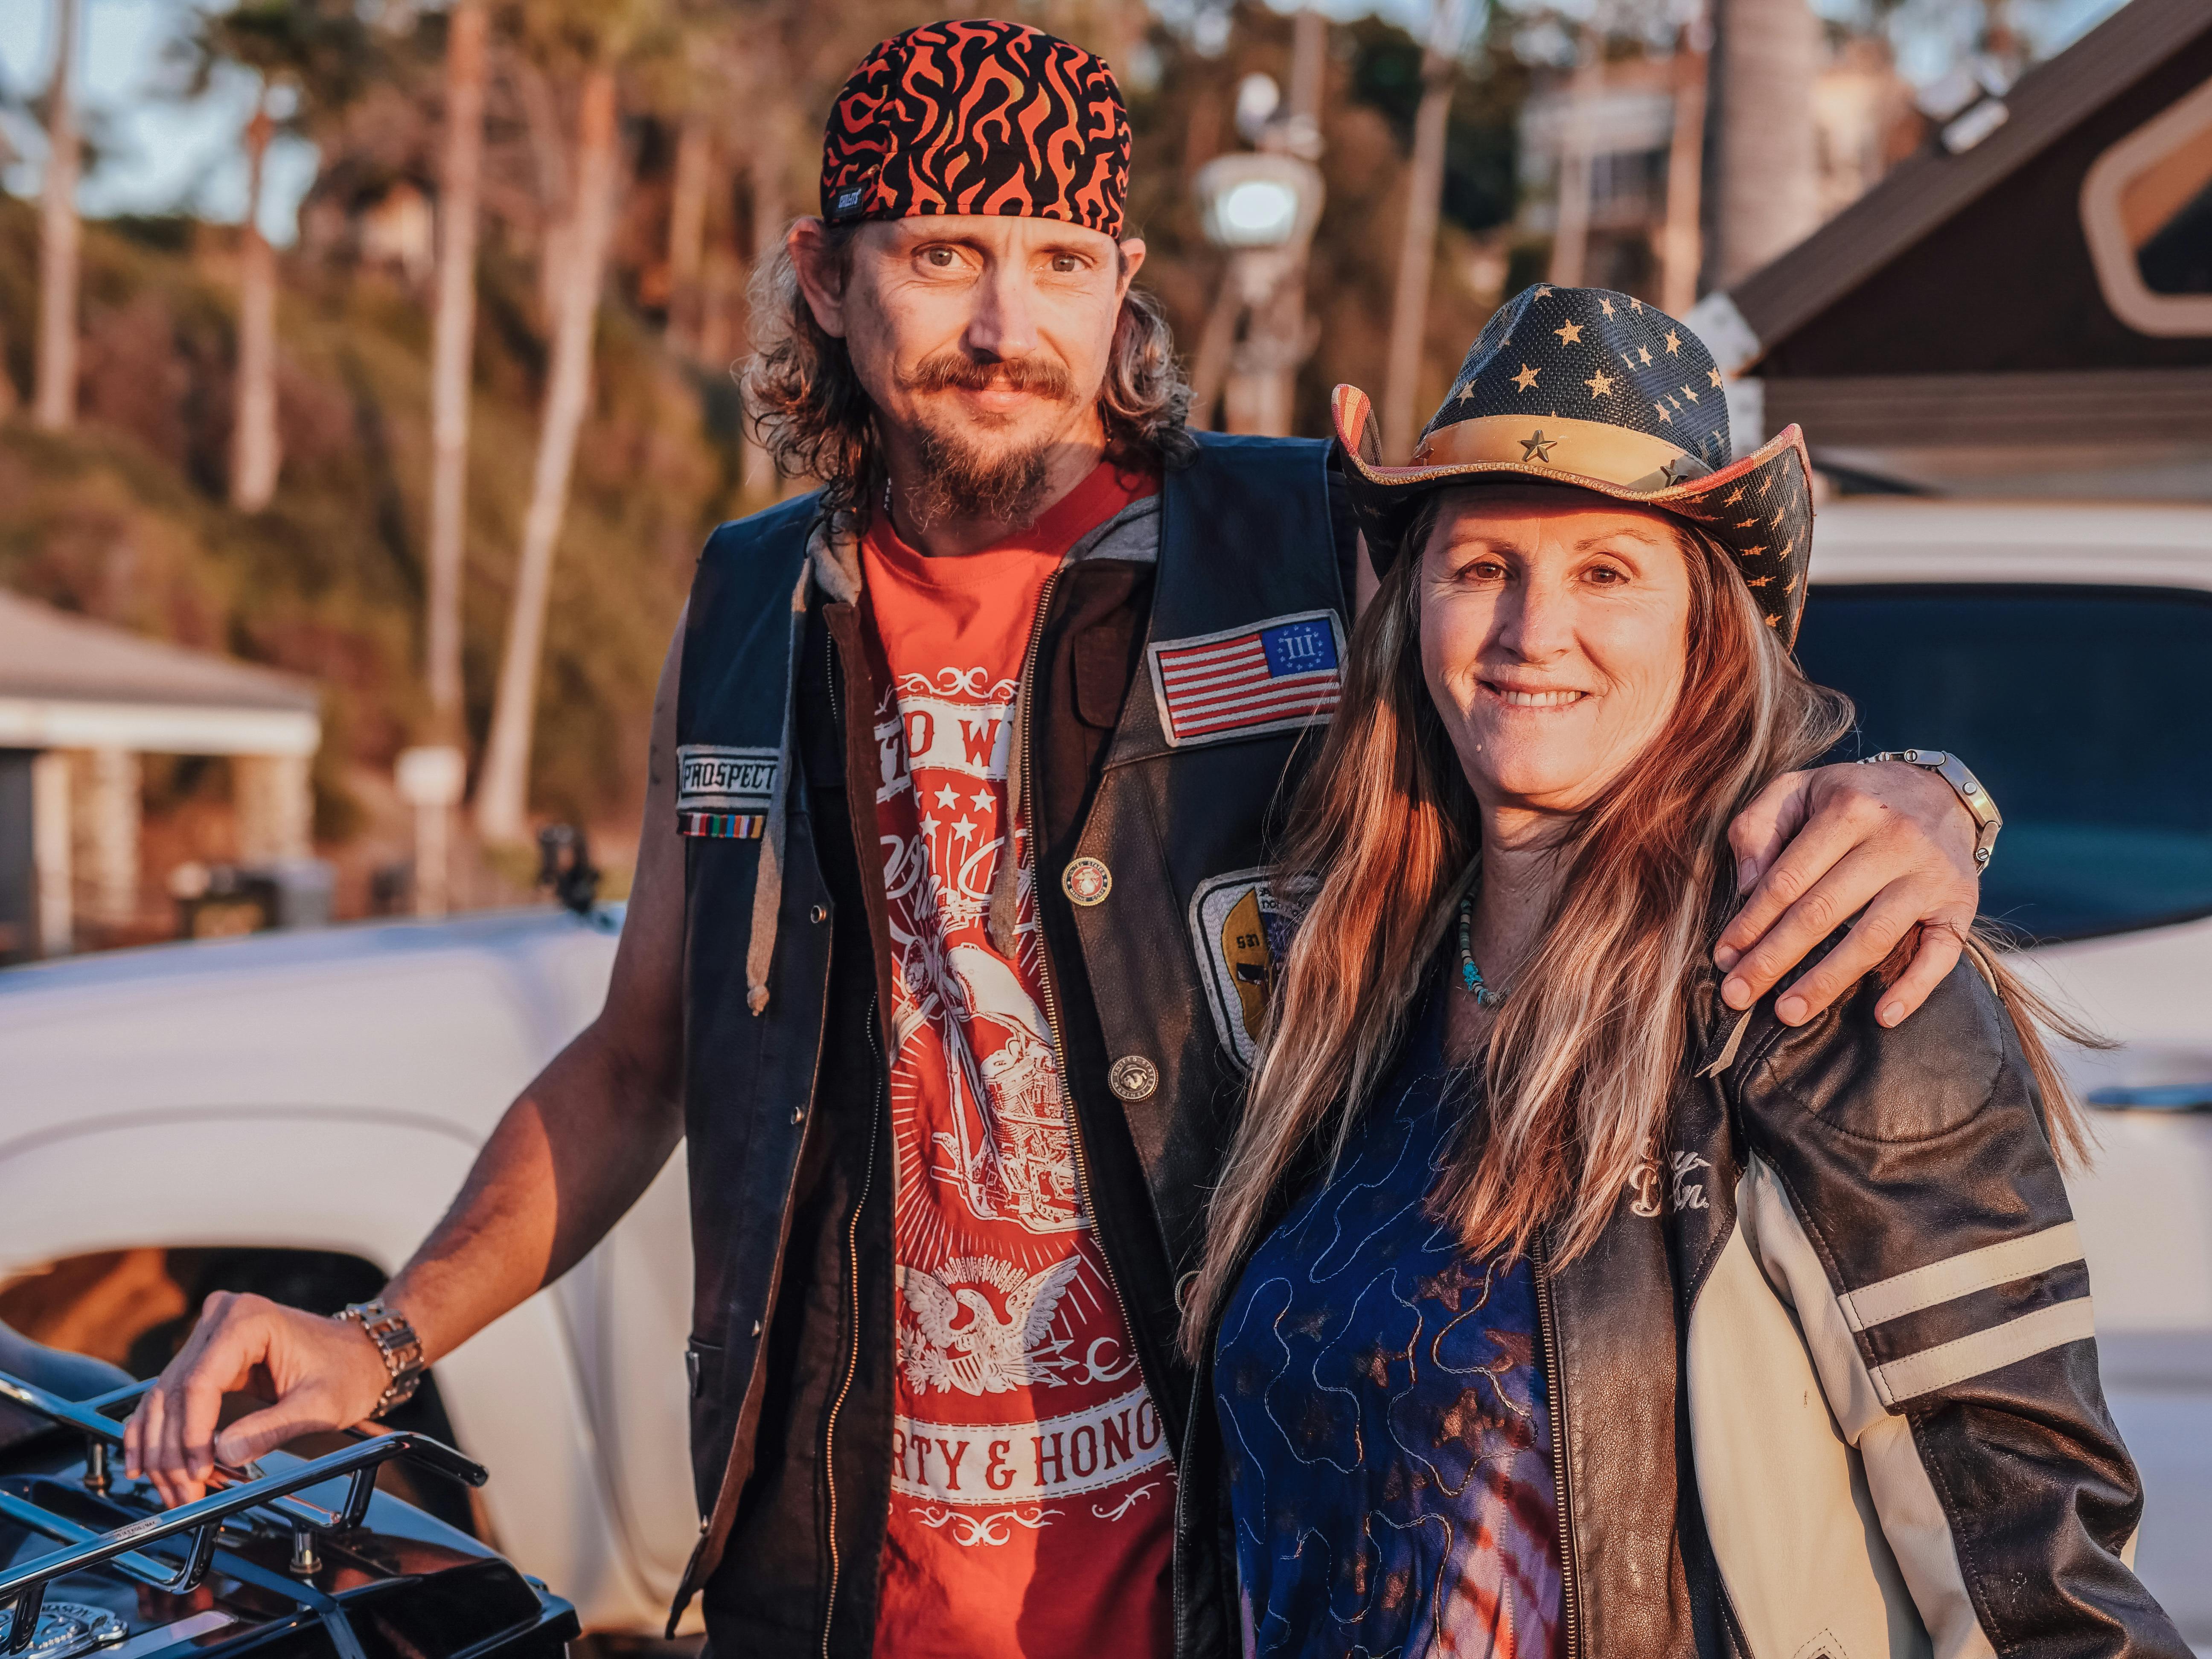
column 960, row 1007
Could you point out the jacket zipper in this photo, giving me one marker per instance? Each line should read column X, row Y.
column 852, row 1250
column 853, row 1352
column 1024, row 815
column 1548, row 1326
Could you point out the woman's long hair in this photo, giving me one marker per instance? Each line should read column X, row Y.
column 810, row 412
column 1582, row 1061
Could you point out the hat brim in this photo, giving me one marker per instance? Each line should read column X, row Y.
column 1759, row 508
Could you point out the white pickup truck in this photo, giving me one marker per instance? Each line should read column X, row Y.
column 307, row 1104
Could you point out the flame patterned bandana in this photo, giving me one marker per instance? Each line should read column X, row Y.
column 978, row 116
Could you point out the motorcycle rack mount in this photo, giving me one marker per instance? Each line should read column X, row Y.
column 23, row 1590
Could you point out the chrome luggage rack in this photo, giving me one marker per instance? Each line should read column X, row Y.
column 23, row 1590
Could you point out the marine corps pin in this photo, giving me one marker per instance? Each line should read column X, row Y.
column 1086, row 881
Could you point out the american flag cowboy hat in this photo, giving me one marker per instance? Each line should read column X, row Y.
column 1598, row 390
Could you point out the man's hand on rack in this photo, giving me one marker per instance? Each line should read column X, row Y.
column 325, row 1374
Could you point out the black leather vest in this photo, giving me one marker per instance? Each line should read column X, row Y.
column 1171, row 966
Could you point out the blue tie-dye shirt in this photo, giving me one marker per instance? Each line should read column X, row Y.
column 1383, row 1408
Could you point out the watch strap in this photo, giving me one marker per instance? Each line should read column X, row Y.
column 397, row 1344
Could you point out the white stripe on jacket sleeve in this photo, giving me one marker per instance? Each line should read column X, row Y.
column 1940, row 1366
column 1962, row 1275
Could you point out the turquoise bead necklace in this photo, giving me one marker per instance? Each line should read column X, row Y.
column 1470, row 976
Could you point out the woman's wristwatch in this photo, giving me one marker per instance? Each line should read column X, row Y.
column 1952, row 770
column 395, row 1343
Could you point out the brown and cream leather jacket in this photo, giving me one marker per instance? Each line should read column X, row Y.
column 1826, row 1387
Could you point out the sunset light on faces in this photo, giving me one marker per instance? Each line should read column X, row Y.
column 1554, row 636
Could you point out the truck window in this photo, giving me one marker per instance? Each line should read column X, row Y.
column 2086, row 710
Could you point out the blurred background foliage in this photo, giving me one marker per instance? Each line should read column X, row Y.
column 124, row 515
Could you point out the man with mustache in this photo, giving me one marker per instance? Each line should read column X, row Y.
column 951, row 933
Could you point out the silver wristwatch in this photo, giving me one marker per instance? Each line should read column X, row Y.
column 397, row 1343
column 1952, row 770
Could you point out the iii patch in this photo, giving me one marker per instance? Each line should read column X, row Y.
column 721, row 790
column 1241, row 935
column 1273, row 676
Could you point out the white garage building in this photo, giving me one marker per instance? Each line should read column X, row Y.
column 80, row 701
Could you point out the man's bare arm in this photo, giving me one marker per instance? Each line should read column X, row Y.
column 568, row 1159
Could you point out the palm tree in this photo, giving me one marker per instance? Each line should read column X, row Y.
column 312, row 57
column 697, row 165
column 255, row 448
column 1764, row 195
column 578, row 252
column 59, row 235
column 1416, row 252
column 452, row 329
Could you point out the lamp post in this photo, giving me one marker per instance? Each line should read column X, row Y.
column 1260, row 208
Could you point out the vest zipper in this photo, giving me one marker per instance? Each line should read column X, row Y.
column 853, row 1352
column 1024, row 815
column 852, row 1246
column 1548, row 1326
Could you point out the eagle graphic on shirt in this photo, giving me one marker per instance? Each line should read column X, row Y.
column 957, row 1340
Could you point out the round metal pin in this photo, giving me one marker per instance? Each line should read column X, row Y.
column 1087, row 882
column 1133, row 1077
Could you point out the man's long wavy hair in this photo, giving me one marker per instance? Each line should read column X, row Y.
column 1582, row 1061
column 810, row 412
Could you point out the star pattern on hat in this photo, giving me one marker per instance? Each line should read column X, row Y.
column 1644, row 372
column 1580, row 334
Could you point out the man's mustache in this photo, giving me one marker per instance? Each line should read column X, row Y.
column 946, row 371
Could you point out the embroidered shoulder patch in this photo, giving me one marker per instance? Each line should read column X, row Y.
column 1273, row 676
column 1241, row 935
column 722, row 791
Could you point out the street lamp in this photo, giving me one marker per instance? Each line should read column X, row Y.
column 1260, row 209
column 1251, row 202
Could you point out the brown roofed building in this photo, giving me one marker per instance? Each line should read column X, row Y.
column 2026, row 306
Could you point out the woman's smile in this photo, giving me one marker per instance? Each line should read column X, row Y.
column 1516, row 697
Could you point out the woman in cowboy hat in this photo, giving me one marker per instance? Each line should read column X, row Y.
column 1553, row 1306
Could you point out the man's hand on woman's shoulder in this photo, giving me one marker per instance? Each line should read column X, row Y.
column 1815, row 849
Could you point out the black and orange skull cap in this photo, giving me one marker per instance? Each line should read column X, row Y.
column 978, row 116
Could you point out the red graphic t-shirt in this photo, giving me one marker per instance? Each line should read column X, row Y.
column 1032, row 1494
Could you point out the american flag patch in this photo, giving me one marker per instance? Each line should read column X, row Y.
column 739, row 826
column 1272, row 677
